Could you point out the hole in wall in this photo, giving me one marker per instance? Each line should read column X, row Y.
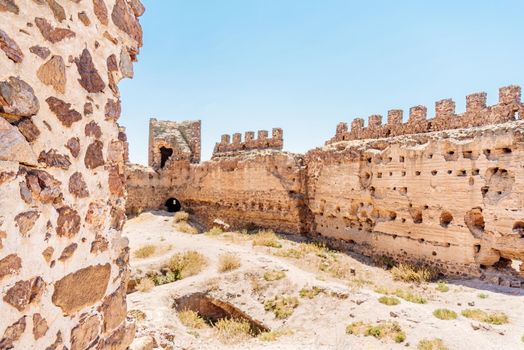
column 173, row 205
column 518, row 228
column 474, row 220
column 445, row 218
column 165, row 154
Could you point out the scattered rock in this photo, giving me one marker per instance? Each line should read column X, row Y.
column 10, row 47
column 94, row 155
column 26, row 220
column 90, row 79
column 24, row 293
column 13, row 333
column 39, row 326
column 77, row 186
column 68, row 222
column 54, row 159
column 82, row 288
column 14, row 146
column 40, row 51
column 52, row 34
column 17, row 100
column 10, row 265
column 63, row 111
column 53, row 73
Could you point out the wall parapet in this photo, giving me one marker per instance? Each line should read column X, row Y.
column 233, row 144
column 477, row 113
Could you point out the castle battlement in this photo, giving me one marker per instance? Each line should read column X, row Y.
column 233, row 144
column 477, row 113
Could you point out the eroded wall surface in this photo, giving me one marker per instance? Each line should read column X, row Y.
column 63, row 263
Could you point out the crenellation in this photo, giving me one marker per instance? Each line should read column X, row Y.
column 477, row 113
column 237, row 138
column 249, row 136
column 226, row 149
column 374, row 121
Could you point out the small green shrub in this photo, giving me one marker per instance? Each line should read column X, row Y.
column 442, row 287
column 310, row 293
column 431, row 344
column 281, row 306
column 274, row 275
column 389, row 300
column 408, row 296
column 482, row 296
column 274, row 335
column 496, row 318
column 445, row 314
column 389, row 331
column 214, row 231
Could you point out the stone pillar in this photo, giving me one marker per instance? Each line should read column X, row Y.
column 63, row 263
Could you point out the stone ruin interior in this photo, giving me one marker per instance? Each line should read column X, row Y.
column 446, row 191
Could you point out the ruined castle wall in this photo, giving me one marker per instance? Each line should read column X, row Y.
column 233, row 146
column 451, row 199
column 63, row 263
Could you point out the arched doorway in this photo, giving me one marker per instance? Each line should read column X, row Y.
column 173, row 205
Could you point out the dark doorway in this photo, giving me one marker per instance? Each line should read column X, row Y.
column 173, row 205
column 165, row 153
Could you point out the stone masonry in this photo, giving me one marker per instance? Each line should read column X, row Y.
column 63, row 263
column 446, row 192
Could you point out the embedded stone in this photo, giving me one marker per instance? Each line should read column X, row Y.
column 10, row 47
column 54, row 159
column 17, row 100
column 110, row 37
column 24, row 293
column 63, row 111
column 93, row 129
column 28, row 129
column 114, row 309
column 6, row 176
column 126, row 64
column 124, row 18
column 90, row 79
column 118, row 218
column 68, row 222
column 85, row 333
column 40, row 326
column 57, row 343
column 82, row 16
column 137, row 7
column 112, row 110
column 53, row 73
column 99, row 245
column 77, row 186
column 88, row 108
column 68, row 252
column 115, row 152
column 14, row 146
column 112, row 65
column 96, row 213
column 73, row 144
column 48, row 254
column 40, row 51
column 116, row 181
column 10, row 265
column 51, row 33
column 9, row 6
column 101, row 11
column 94, row 155
column 120, row 339
column 26, row 220
column 3, row 235
column 41, row 186
column 82, row 288
column 13, row 333
column 58, row 11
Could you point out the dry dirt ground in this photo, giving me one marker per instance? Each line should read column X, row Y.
column 349, row 292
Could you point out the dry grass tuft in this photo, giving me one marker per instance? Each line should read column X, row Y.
column 191, row 319
column 482, row 296
column 138, row 315
column 186, row 228
column 186, row 264
column 214, row 231
column 386, row 331
column 230, row 331
column 388, row 300
column 431, row 344
column 180, row 216
column 403, row 294
column 145, row 251
column 266, row 238
column 145, row 285
column 282, row 306
column 274, row 335
column 274, row 275
column 228, row 262
column 445, row 314
column 414, row 273
column 310, row 293
column 496, row 318
column 442, row 287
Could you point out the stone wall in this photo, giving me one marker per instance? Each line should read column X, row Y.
column 447, row 198
column 63, row 264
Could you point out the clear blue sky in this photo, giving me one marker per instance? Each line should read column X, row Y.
column 305, row 65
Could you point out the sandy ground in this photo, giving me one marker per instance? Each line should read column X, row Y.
column 317, row 323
